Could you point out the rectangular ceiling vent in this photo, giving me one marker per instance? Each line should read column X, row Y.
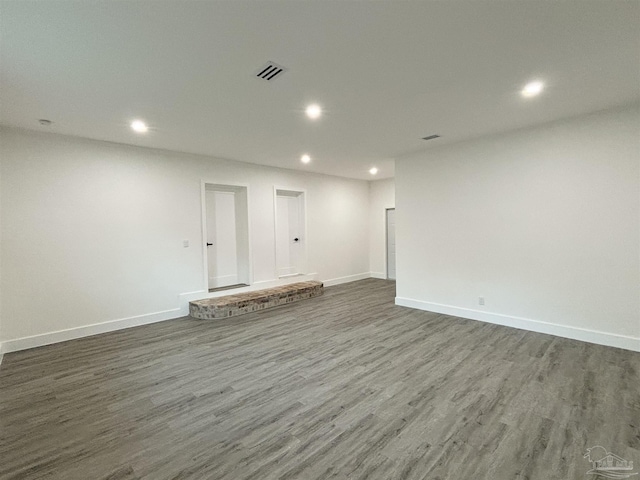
column 270, row 71
column 431, row 137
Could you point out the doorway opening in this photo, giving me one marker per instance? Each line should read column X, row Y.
column 291, row 254
column 391, row 243
column 226, row 236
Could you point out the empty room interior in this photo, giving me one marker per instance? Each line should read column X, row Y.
column 319, row 239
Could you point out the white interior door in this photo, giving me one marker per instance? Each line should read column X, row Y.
column 222, row 255
column 288, row 235
column 391, row 243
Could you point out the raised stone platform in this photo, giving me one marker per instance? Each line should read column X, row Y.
column 247, row 302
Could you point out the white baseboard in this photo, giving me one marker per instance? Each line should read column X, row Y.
column 183, row 310
column 288, row 272
column 574, row 333
column 380, row 275
column 86, row 331
column 347, row 279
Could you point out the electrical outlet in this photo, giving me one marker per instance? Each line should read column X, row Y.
column 480, row 300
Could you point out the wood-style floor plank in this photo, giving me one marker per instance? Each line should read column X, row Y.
column 343, row 386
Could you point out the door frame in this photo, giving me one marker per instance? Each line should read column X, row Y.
column 203, row 225
column 303, row 195
column 386, row 244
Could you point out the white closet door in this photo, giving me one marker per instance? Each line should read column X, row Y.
column 221, row 234
column 288, row 235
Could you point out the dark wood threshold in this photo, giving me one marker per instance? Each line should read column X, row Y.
column 228, row 287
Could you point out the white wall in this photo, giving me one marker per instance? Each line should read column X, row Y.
column 1, row 255
column 544, row 223
column 382, row 195
column 92, row 232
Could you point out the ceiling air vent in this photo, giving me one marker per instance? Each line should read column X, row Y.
column 270, row 71
column 431, row 137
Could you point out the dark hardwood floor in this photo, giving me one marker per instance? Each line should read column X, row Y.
column 347, row 385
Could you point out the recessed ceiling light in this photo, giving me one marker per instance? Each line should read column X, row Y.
column 532, row 89
column 313, row 111
column 305, row 158
column 139, row 126
column 373, row 170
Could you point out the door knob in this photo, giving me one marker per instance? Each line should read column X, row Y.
column 209, row 244
column 296, row 239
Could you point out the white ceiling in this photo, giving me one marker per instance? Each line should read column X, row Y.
column 386, row 73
